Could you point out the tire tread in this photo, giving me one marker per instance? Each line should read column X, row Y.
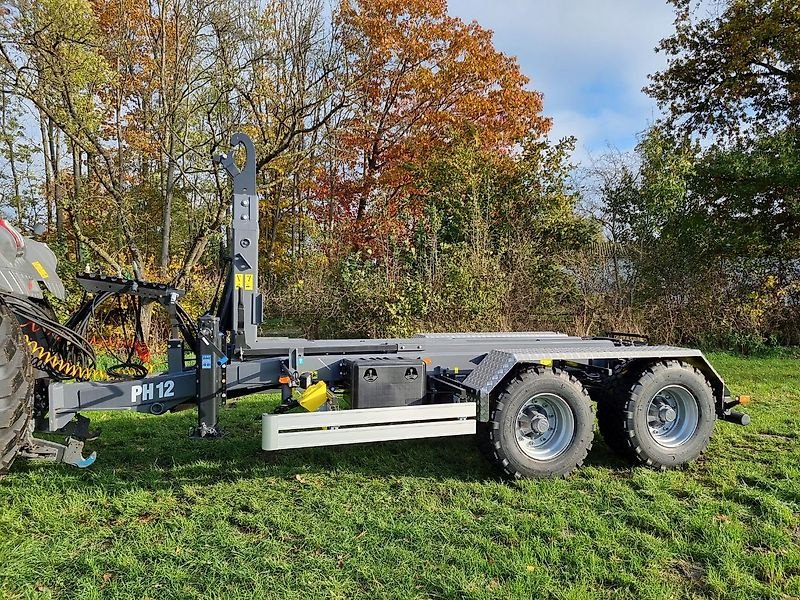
column 495, row 447
column 634, row 445
column 16, row 403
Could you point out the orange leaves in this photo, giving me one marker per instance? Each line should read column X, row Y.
column 422, row 76
column 425, row 72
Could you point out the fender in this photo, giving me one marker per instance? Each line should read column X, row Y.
column 25, row 264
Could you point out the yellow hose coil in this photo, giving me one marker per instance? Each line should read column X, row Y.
column 57, row 363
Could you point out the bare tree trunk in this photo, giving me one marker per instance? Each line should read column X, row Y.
column 96, row 248
column 77, row 185
column 169, row 192
column 8, row 139
column 48, row 168
column 12, row 160
column 52, row 136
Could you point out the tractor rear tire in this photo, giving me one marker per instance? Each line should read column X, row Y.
column 542, row 424
column 16, row 390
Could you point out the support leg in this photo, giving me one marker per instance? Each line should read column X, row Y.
column 210, row 378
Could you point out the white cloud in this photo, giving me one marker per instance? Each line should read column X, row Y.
column 590, row 58
column 597, row 132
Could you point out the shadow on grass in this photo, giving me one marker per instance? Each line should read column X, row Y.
column 156, row 452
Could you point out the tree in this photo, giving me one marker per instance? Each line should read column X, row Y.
column 748, row 197
column 290, row 80
column 735, row 69
column 422, row 76
column 130, row 92
column 376, row 124
column 51, row 58
column 642, row 200
column 17, row 153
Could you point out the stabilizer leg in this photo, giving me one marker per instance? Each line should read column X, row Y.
column 211, row 378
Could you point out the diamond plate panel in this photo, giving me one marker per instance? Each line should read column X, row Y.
column 483, row 379
column 492, row 334
column 498, row 363
column 576, row 352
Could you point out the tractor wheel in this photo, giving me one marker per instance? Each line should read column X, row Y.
column 542, row 424
column 668, row 416
column 16, row 390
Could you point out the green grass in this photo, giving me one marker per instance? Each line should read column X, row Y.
column 163, row 516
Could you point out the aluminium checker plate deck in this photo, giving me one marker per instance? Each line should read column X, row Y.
column 498, row 364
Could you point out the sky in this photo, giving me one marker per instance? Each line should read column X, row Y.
column 590, row 59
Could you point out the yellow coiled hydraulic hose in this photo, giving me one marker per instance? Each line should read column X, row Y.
column 62, row 350
column 42, row 358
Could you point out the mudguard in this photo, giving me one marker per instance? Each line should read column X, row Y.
column 497, row 364
column 26, row 263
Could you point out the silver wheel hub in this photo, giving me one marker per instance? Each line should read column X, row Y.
column 667, row 414
column 673, row 415
column 539, row 424
column 545, row 426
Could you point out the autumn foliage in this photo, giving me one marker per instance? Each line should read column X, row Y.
column 400, row 153
column 406, row 176
column 422, row 78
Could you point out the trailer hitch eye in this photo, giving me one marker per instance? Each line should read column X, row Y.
column 370, row 375
column 411, row 374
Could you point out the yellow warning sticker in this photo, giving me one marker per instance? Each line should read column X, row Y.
column 248, row 282
column 238, row 281
column 40, row 269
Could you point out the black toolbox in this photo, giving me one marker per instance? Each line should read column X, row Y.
column 386, row 381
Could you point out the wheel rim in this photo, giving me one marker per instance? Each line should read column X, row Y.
column 673, row 415
column 545, row 426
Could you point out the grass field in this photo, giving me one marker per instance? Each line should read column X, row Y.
column 162, row 516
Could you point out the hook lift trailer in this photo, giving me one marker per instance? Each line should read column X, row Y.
column 527, row 397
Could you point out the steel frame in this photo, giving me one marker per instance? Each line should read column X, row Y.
column 232, row 360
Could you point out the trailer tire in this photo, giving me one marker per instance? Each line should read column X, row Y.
column 552, row 412
column 611, row 400
column 483, row 440
column 669, row 416
column 16, row 390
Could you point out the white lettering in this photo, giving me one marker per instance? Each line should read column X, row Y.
column 152, row 391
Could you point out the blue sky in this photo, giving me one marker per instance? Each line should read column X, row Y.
column 590, row 58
